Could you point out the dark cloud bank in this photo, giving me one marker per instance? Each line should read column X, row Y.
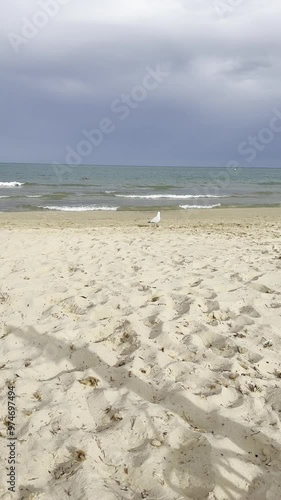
column 144, row 82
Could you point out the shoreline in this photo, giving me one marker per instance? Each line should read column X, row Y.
column 234, row 217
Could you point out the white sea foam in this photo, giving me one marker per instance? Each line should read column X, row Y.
column 88, row 208
column 200, row 206
column 34, row 196
column 11, row 184
column 4, row 196
column 169, row 196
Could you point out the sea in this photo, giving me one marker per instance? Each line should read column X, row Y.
column 29, row 187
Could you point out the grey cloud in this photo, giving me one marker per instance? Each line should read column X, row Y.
column 223, row 84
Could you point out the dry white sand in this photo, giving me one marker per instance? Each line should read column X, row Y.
column 146, row 361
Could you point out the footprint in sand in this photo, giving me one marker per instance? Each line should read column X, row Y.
column 219, row 344
column 101, row 403
column 236, row 277
column 250, row 311
column 210, row 306
column 183, row 307
column 126, row 339
column 156, row 326
column 261, row 288
column 273, row 399
column 181, row 471
column 239, row 323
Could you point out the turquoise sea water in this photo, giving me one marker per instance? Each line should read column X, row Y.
column 26, row 187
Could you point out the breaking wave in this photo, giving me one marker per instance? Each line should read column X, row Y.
column 185, row 207
column 169, row 196
column 87, row 208
column 11, row 184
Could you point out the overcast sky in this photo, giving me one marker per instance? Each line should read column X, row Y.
column 201, row 77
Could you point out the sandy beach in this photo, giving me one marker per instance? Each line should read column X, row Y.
column 146, row 361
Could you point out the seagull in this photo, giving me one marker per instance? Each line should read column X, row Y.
column 155, row 219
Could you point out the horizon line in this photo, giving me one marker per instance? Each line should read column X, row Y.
column 132, row 166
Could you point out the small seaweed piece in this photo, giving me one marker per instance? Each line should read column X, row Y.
column 90, row 381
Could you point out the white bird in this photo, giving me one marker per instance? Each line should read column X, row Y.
column 155, row 219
